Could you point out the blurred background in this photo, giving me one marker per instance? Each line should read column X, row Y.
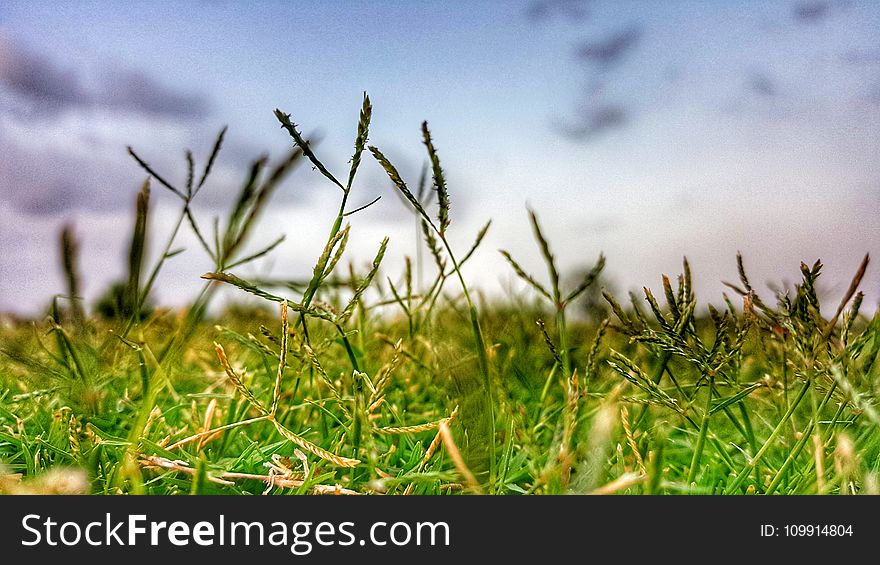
column 645, row 130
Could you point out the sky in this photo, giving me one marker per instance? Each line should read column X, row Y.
column 647, row 131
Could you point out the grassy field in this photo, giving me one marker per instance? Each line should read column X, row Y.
column 361, row 381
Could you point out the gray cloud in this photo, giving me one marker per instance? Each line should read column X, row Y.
column 762, row 85
column 50, row 181
column 35, row 78
column 32, row 84
column 136, row 92
column 610, row 50
column 599, row 116
column 596, row 121
column 867, row 57
column 573, row 10
column 810, row 11
column 54, row 180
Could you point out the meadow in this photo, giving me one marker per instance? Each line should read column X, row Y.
column 362, row 381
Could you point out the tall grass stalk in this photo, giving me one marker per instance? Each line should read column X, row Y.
column 443, row 219
column 753, row 461
column 559, row 301
column 321, row 272
column 704, row 429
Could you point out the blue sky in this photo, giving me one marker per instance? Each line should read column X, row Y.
column 647, row 130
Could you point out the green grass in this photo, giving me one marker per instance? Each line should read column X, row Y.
column 362, row 381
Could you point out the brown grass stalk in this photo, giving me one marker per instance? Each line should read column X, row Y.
column 228, row 478
column 620, row 483
column 457, row 459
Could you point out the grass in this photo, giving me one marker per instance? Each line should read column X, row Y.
column 359, row 381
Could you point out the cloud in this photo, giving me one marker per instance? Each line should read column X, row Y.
column 573, row 10
column 136, row 92
column 50, row 181
column 861, row 57
column 598, row 116
column 63, row 131
column 596, row 121
column 75, row 172
column 610, row 50
column 762, row 85
column 32, row 84
column 811, row 11
column 34, row 77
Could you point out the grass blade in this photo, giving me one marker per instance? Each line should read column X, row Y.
column 214, row 151
column 250, row 288
column 305, row 146
column 548, row 257
column 236, row 380
column 395, row 177
column 439, row 180
column 521, row 273
column 365, row 283
column 588, row 279
column 70, row 262
column 314, row 449
column 853, row 287
column 282, row 359
column 145, row 166
column 360, row 142
column 136, row 253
